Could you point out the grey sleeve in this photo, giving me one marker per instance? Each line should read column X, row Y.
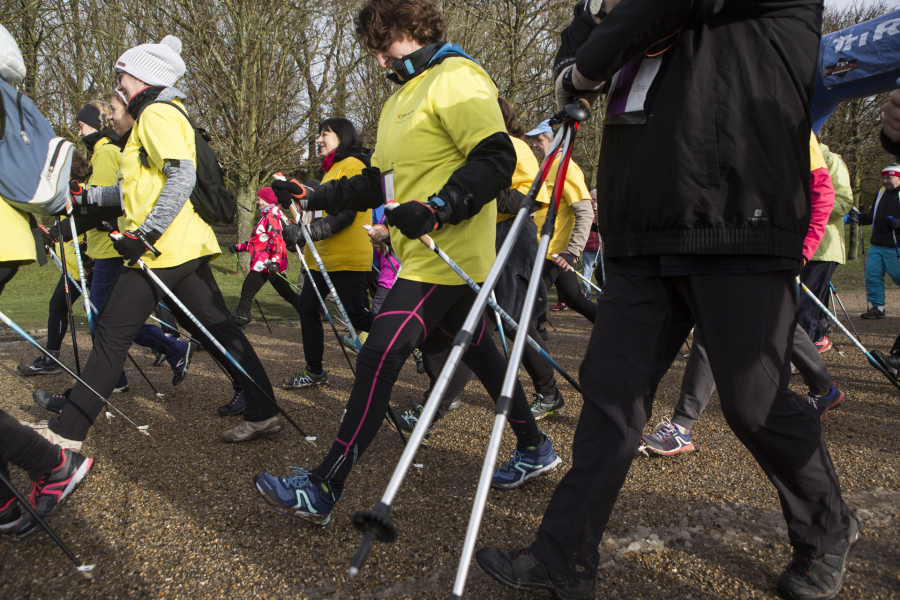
column 584, row 216
column 180, row 180
column 107, row 195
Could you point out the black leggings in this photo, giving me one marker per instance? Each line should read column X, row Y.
column 23, row 447
column 569, row 290
column 540, row 371
column 351, row 288
column 133, row 298
column 58, row 320
column 411, row 313
column 7, row 271
column 254, row 281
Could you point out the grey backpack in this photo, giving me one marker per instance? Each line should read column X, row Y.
column 34, row 162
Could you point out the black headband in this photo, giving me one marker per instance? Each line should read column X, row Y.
column 89, row 115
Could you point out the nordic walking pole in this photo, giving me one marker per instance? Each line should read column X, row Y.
column 602, row 265
column 312, row 247
column 841, row 303
column 255, row 299
column 115, row 235
column 82, row 568
column 94, row 310
column 856, row 342
column 6, row 321
column 389, row 252
column 583, row 278
column 500, row 327
column 78, row 261
column 376, row 523
column 62, row 252
column 429, row 243
column 504, row 404
column 299, row 290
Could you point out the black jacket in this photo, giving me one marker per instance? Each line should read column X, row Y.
column 726, row 138
column 888, row 205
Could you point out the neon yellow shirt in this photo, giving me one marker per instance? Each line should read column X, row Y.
column 165, row 134
column 17, row 242
column 426, row 131
column 105, row 165
column 574, row 190
column 527, row 168
column 348, row 249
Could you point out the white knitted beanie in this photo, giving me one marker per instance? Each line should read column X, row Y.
column 154, row 64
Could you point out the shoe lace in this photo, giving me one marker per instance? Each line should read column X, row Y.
column 236, row 396
column 801, row 561
column 36, row 489
column 663, row 430
column 298, row 478
column 538, row 399
column 516, row 458
column 520, row 552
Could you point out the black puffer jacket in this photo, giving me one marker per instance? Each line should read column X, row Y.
column 726, row 137
column 887, row 205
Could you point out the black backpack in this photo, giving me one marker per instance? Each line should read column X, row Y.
column 211, row 199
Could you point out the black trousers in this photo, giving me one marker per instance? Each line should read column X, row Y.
column 58, row 320
column 254, row 281
column 414, row 315
column 8, row 270
column 817, row 277
column 133, row 298
column 351, row 289
column 569, row 289
column 540, row 371
column 23, row 447
column 642, row 322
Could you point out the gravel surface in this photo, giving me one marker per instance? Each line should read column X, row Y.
column 175, row 515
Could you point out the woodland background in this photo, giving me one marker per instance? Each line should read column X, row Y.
column 261, row 74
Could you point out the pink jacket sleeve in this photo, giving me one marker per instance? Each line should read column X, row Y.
column 822, row 192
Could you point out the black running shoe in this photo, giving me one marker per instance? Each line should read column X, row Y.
column 10, row 514
column 51, row 402
column 544, row 406
column 41, row 366
column 409, row 418
column 420, row 364
column 159, row 359
column 809, row 577
column 235, row 407
column 180, row 371
column 522, row 571
column 544, row 333
column 54, row 488
column 890, row 363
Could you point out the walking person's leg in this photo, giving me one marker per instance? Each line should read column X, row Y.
column 588, row 264
column 875, row 270
column 569, row 292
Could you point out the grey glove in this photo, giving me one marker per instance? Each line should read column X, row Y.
column 571, row 85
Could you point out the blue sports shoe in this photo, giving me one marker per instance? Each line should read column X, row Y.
column 297, row 495
column 526, row 465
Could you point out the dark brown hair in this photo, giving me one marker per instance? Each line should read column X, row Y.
column 80, row 167
column 513, row 126
column 379, row 19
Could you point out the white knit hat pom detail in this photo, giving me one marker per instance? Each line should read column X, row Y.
column 172, row 42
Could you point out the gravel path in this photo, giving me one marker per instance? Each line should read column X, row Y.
column 175, row 515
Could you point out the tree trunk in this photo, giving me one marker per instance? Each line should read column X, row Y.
column 246, row 220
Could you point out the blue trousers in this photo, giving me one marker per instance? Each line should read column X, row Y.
column 881, row 260
column 106, row 270
column 588, row 263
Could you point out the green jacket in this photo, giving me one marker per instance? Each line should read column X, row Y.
column 832, row 247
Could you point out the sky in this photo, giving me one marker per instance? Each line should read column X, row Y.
column 845, row 3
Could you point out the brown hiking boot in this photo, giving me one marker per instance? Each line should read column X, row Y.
column 873, row 313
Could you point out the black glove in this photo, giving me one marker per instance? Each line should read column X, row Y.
column 232, row 247
column 893, row 222
column 287, row 192
column 853, row 216
column 48, row 236
column 77, row 190
column 291, row 234
column 415, row 219
column 271, row 267
column 132, row 245
column 568, row 256
column 87, row 263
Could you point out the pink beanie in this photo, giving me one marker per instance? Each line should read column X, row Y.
column 267, row 194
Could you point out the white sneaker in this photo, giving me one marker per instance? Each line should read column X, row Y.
column 249, row 430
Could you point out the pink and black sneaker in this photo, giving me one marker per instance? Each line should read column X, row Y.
column 53, row 489
column 10, row 515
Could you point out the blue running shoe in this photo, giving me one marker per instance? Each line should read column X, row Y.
column 668, row 439
column 526, row 465
column 297, row 495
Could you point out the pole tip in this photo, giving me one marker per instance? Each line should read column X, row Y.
column 353, row 572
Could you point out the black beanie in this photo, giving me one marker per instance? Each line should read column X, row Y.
column 89, row 115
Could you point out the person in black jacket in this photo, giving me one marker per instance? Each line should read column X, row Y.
column 715, row 96
column 883, row 254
